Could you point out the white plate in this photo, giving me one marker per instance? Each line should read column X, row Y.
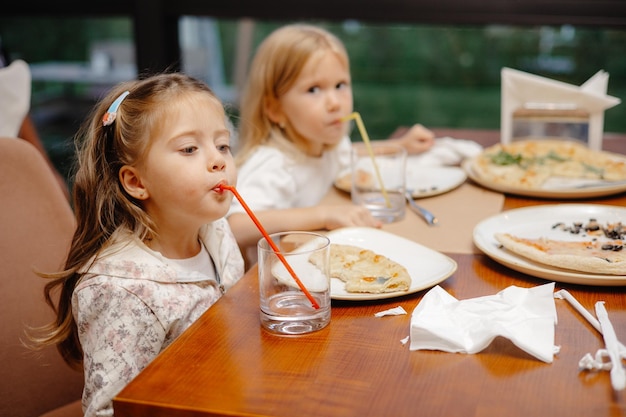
column 564, row 192
column 538, row 221
column 427, row 181
column 425, row 266
column 423, row 180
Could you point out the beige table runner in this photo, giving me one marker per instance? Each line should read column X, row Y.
column 458, row 211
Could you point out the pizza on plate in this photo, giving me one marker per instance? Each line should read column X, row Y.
column 592, row 255
column 364, row 271
column 363, row 178
column 528, row 164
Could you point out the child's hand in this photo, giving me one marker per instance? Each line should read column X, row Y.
column 347, row 216
column 416, row 140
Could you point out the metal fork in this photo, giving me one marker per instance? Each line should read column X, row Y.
column 421, row 211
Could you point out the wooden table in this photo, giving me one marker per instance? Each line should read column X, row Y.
column 225, row 364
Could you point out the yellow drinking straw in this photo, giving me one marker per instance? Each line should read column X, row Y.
column 366, row 139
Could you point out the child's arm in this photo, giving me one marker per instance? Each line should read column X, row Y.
column 416, row 140
column 322, row 217
column 119, row 334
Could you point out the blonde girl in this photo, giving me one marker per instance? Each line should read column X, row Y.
column 152, row 250
column 293, row 140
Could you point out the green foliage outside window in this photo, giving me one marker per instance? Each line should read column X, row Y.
column 440, row 76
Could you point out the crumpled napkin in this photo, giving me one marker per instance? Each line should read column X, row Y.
column 14, row 97
column 525, row 316
column 447, row 151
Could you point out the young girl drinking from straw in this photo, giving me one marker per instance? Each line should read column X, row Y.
column 294, row 135
column 152, row 250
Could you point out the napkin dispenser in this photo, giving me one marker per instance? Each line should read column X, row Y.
column 537, row 107
column 551, row 120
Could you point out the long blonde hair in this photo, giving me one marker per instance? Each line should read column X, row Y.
column 276, row 66
column 101, row 205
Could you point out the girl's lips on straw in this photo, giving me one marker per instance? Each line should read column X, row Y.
column 220, row 187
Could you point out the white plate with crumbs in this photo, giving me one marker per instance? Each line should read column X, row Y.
column 427, row 181
column 421, row 180
column 426, row 267
column 540, row 221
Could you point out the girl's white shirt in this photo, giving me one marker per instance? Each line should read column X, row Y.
column 133, row 302
column 278, row 175
column 201, row 262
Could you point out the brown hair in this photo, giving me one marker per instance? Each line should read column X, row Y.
column 102, row 206
column 276, row 66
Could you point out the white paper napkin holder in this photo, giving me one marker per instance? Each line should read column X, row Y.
column 534, row 106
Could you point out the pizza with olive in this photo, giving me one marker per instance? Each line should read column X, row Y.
column 592, row 255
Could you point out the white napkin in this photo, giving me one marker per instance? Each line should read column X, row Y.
column 396, row 311
column 14, row 97
column 447, row 151
column 525, row 316
column 520, row 88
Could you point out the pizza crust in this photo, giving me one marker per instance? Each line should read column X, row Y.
column 365, row 271
column 583, row 256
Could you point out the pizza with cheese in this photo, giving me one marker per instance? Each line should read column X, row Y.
column 528, row 164
column 365, row 271
column 593, row 255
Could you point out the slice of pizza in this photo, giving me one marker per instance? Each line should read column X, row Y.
column 365, row 271
column 593, row 256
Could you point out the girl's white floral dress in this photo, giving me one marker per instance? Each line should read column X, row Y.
column 133, row 302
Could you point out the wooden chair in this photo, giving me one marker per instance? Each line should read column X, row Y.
column 36, row 227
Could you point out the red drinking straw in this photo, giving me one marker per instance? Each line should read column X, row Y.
column 272, row 244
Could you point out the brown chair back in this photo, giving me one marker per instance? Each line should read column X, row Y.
column 36, row 228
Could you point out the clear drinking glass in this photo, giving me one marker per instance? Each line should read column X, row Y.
column 379, row 179
column 285, row 307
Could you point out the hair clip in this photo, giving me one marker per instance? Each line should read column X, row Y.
column 111, row 114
